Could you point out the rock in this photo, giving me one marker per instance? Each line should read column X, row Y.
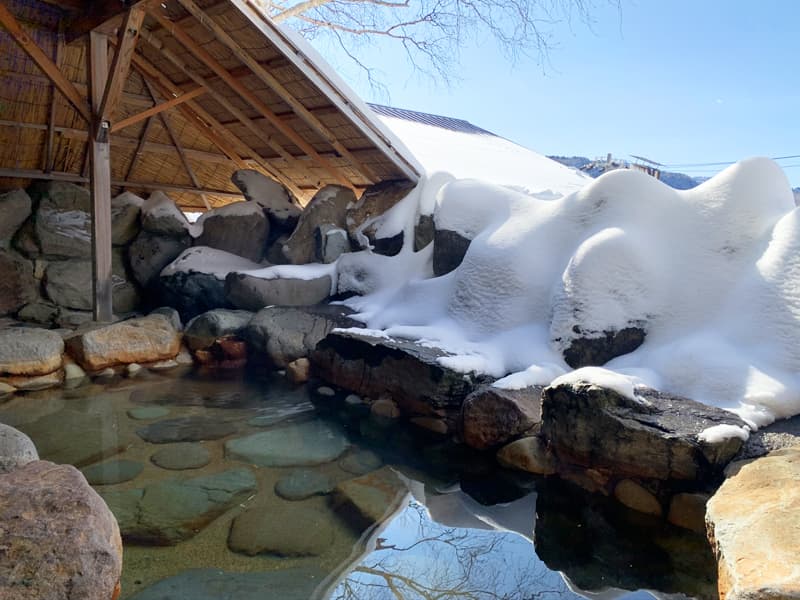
column 59, row 538
column 688, row 511
column 73, row 374
column 361, row 462
column 282, row 211
column 63, row 195
column 26, row 241
column 193, row 293
column 182, row 456
column 298, row 371
column 142, row 340
column 172, row 511
column 205, row 329
column 424, row 232
column 449, row 249
column 160, row 215
column 297, row 445
column 125, row 210
column 112, row 471
column 150, row 253
column 6, row 390
column 586, row 351
column 382, row 244
column 30, row 351
column 15, row 208
column 133, row 370
column 303, row 483
column 125, row 296
column 286, row 334
column 283, row 530
column 254, row 293
column 71, row 319
column 25, row 383
column 636, row 497
column 374, row 202
column 294, row 583
column 325, row 391
column 186, row 429
column 528, row 454
column 146, row 413
column 368, row 499
column 432, row 424
column 69, row 283
column 16, row 449
column 409, row 373
column 224, row 353
column 330, row 243
column 653, row 437
column 62, row 223
column 752, row 522
column 239, row 228
column 274, row 253
column 328, row 206
column 172, row 315
column 18, row 286
column 41, row 313
column 492, row 416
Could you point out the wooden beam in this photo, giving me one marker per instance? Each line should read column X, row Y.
column 100, row 182
column 126, row 44
column 51, row 117
column 246, row 94
column 271, row 82
column 68, row 5
column 102, row 16
column 43, row 62
column 139, row 148
column 158, row 108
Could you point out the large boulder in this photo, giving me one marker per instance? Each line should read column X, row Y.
column 59, row 538
column 18, row 285
column 69, row 284
column 249, row 292
column 63, row 223
column 492, row 416
column 30, row 351
column 161, row 216
column 285, row 333
column 15, row 208
column 125, row 211
column 282, row 210
column 150, row 253
column 449, row 249
column 651, row 435
column 142, row 340
column 327, row 207
column 239, row 228
column 753, row 522
column 16, row 449
column 330, row 243
column 205, row 329
column 374, row 202
column 598, row 349
column 41, row 312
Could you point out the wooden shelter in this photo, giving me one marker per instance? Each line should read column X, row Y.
column 175, row 95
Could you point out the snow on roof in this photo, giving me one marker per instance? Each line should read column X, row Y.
column 429, row 119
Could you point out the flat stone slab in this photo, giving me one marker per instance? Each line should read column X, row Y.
column 171, row 511
column 186, row 429
column 148, row 413
column 112, row 471
column 30, row 351
column 302, row 444
column 366, row 500
column 361, row 462
column 182, row 456
column 753, row 523
column 303, row 483
column 214, row 584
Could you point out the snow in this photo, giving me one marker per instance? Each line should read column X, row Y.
column 202, row 259
column 159, row 205
column 600, row 377
column 720, row 433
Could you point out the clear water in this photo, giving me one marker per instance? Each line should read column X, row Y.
column 455, row 526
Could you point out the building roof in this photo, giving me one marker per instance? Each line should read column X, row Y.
column 442, row 122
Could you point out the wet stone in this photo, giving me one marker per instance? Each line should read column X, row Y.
column 182, row 456
column 302, row 444
column 367, row 499
column 361, row 462
column 145, row 413
column 112, row 471
column 303, row 483
column 186, row 429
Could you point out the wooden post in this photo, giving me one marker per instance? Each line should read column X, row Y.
column 100, row 180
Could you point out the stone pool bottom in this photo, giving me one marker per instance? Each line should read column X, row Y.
column 241, row 486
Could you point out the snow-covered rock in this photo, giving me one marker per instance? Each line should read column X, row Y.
column 239, row 228
column 161, row 216
column 281, row 208
column 328, row 206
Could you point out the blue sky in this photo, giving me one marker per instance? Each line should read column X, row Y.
column 678, row 81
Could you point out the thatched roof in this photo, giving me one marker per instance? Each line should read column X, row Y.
column 242, row 93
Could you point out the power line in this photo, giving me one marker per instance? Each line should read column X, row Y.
column 721, row 164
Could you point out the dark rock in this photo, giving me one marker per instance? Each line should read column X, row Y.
column 449, row 249
column 274, row 253
column 16, row 449
column 328, row 206
column 26, row 241
column 63, row 224
column 492, row 416
column 254, row 293
column 112, row 471
column 375, row 201
column 18, row 286
column 15, row 208
column 297, row 445
column 282, row 211
column 161, row 216
column 387, row 246
column 172, row 511
column 205, row 329
column 529, row 454
column 59, row 538
column 296, row 583
column 239, row 228
column 41, row 313
column 583, row 352
column 62, row 195
column 186, row 429
column 303, row 483
column 182, row 456
column 652, row 438
column 286, row 334
column 150, row 253
column 192, row 293
column 69, row 283
column 125, row 211
column 424, row 232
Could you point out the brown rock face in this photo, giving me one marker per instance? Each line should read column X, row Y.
column 375, row 201
column 60, row 540
column 328, row 206
column 29, row 352
column 753, row 523
column 492, row 416
column 17, row 284
column 528, row 454
column 148, row 339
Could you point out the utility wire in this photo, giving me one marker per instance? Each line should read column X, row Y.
column 721, row 164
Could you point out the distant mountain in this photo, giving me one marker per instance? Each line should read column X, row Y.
column 595, row 168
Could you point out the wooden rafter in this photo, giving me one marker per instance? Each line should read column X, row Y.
column 271, row 82
column 44, row 62
column 140, row 148
column 246, row 94
column 47, row 157
column 158, row 108
column 102, row 16
column 126, row 44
